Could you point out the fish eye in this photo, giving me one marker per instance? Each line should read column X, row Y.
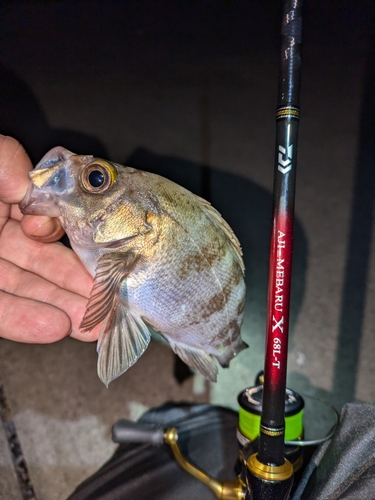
column 98, row 176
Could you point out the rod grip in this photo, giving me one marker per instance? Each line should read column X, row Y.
column 127, row 431
column 290, row 62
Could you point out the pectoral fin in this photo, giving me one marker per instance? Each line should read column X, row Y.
column 123, row 336
column 111, row 271
column 198, row 359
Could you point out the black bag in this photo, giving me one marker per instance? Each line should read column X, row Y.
column 343, row 468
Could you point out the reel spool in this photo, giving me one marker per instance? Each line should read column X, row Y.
column 248, row 430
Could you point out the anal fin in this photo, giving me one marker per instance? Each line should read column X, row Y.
column 198, row 359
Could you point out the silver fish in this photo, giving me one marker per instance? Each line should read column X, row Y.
column 160, row 257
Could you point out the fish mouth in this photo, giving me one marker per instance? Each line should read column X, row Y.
column 36, row 202
column 48, row 179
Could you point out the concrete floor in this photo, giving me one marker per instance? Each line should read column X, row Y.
column 176, row 87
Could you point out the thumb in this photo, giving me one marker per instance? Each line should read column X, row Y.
column 42, row 228
column 14, row 166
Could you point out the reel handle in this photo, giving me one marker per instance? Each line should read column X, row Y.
column 127, row 431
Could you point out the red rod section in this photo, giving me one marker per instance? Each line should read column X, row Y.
column 272, row 429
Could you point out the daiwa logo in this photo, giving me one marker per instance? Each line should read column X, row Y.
column 285, row 160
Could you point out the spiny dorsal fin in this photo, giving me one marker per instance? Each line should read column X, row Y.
column 217, row 219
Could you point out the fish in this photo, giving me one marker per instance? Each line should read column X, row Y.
column 160, row 256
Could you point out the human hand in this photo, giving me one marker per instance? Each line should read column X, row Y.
column 43, row 285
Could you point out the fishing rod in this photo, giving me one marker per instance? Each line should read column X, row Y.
column 269, row 467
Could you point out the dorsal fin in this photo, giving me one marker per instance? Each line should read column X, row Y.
column 218, row 220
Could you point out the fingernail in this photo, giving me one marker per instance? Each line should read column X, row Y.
column 46, row 227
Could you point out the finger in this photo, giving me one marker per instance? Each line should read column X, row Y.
column 38, row 227
column 4, row 214
column 77, row 334
column 15, row 212
column 25, row 320
column 20, row 283
column 14, row 166
column 52, row 261
column 42, row 228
